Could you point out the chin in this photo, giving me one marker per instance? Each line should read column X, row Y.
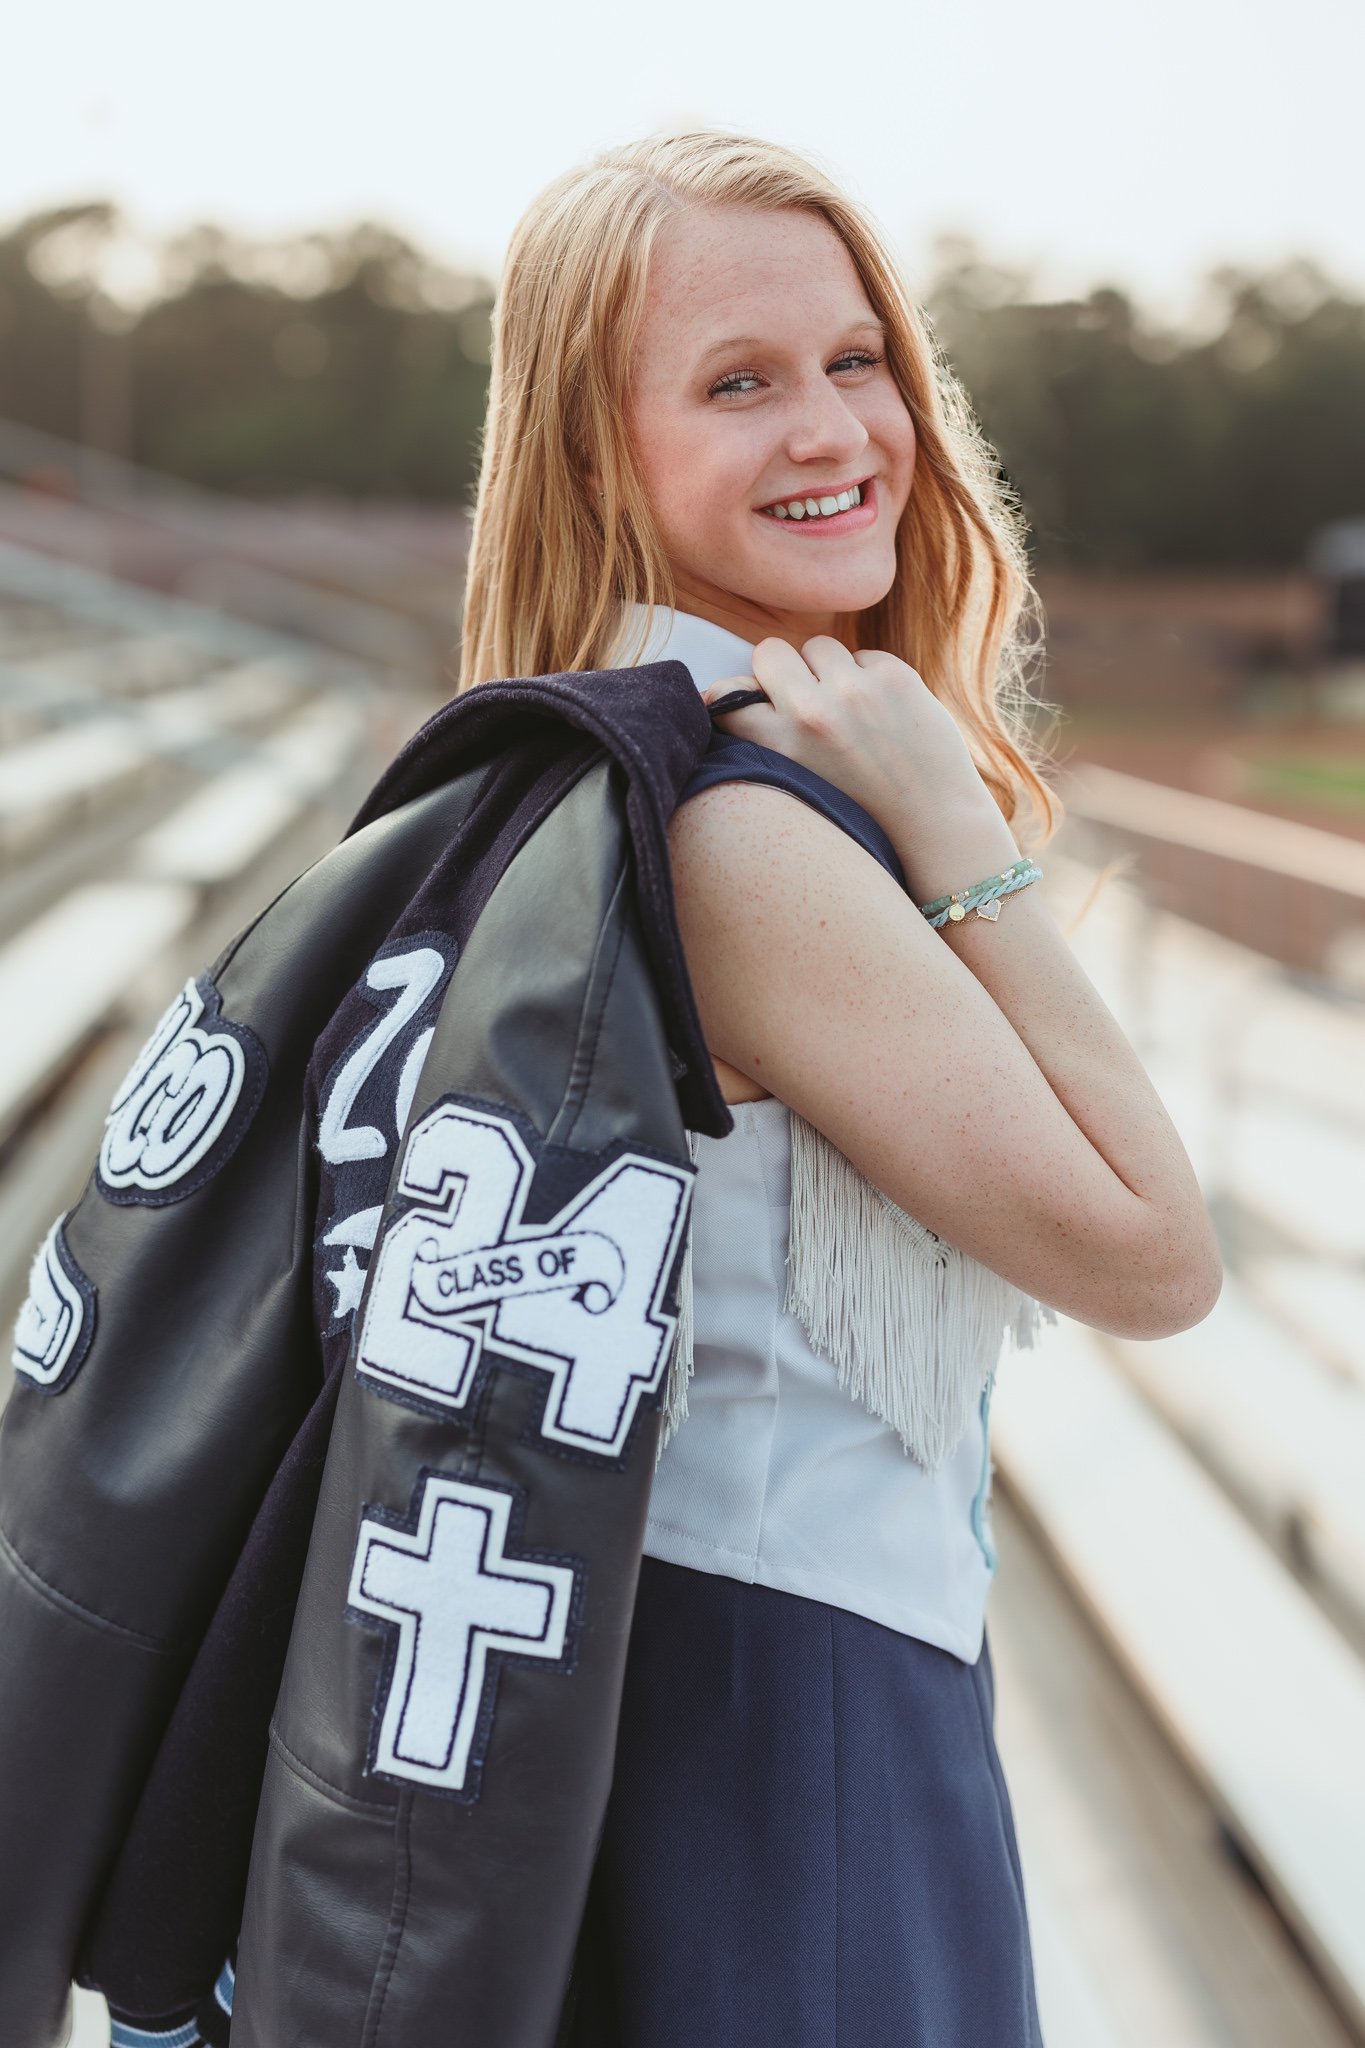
column 853, row 589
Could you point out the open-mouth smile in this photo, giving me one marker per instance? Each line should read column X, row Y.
column 846, row 510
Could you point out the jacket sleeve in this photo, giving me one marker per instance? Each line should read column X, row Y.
column 163, row 1359
column 442, row 1744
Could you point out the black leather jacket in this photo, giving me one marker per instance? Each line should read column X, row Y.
column 314, row 1602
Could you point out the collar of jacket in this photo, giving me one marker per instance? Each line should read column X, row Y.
column 654, row 722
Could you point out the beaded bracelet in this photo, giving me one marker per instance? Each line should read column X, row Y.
column 983, row 897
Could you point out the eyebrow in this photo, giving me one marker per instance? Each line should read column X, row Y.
column 755, row 341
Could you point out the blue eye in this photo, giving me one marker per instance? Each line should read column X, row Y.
column 730, row 384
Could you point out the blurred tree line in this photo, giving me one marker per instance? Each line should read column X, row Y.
column 353, row 363
column 345, row 363
column 1134, row 447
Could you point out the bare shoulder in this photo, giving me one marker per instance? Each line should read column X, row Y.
column 758, row 875
column 769, row 857
column 786, row 923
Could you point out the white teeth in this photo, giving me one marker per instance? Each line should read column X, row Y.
column 818, row 508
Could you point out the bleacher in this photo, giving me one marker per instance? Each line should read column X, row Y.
column 164, row 766
column 120, row 686
column 1203, row 1496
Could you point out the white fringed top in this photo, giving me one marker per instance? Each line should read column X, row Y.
column 826, row 1423
column 778, row 1475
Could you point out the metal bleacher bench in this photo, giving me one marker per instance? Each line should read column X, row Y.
column 1260, row 1695
column 43, row 780
column 64, row 972
column 223, row 827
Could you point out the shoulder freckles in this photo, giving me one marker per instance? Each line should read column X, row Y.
column 734, row 813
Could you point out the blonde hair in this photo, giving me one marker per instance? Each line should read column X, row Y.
column 552, row 564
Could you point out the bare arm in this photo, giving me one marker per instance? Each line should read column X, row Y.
column 1037, row 1146
column 1023, row 961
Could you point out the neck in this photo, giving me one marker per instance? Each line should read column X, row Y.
column 755, row 622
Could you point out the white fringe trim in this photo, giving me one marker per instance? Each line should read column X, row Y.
column 914, row 1326
column 680, row 1358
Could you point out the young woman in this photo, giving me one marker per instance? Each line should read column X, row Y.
column 720, row 431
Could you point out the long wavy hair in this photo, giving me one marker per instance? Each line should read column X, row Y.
column 552, row 564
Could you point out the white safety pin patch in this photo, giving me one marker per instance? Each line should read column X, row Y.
column 579, row 1297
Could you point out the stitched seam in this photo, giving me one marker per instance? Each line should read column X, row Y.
column 1015, row 1876
column 978, row 1510
column 352, row 1800
column 64, row 1604
column 779, row 1289
column 584, row 1085
column 398, row 1913
column 834, row 1775
column 611, row 933
column 718, row 1549
column 234, row 946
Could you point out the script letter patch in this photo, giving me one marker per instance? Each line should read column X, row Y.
column 364, row 1102
column 184, row 1105
column 57, row 1320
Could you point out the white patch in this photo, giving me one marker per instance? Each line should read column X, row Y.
column 348, row 1283
column 57, row 1320
column 453, row 1594
column 414, row 975
column 175, row 1106
column 579, row 1297
column 348, row 1279
column 361, row 1228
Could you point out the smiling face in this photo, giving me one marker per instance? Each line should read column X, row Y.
column 760, row 377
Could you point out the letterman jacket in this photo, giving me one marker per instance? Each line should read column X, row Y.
column 324, row 1477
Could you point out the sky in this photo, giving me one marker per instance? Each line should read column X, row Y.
column 1080, row 141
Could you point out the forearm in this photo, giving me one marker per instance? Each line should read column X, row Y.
column 1023, row 961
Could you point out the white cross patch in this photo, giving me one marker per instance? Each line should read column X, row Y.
column 183, row 1105
column 578, row 1297
column 453, row 1595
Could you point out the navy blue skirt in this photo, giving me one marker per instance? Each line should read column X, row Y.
column 808, row 1842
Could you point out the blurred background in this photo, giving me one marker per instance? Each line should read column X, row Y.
column 246, row 273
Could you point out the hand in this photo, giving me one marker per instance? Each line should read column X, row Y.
column 867, row 722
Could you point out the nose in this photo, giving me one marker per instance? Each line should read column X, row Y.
column 826, row 428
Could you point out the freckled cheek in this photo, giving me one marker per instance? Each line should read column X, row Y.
column 701, row 492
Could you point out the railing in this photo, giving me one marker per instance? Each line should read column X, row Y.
column 1292, row 891
column 395, row 607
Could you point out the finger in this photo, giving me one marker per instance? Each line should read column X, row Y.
column 783, row 672
column 826, row 657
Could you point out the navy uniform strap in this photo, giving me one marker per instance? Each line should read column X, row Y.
column 731, row 759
